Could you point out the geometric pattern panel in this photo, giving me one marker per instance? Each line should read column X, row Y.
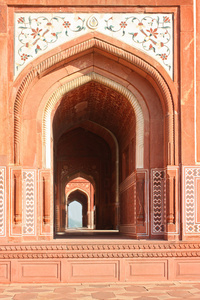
column 158, row 215
column 191, row 195
column 2, row 200
column 29, row 205
column 37, row 33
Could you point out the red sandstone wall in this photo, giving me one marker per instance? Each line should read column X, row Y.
column 184, row 90
column 167, row 188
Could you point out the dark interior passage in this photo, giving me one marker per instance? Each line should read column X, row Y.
column 94, row 134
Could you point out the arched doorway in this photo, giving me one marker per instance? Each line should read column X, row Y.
column 82, row 191
column 81, row 121
column 82, row 151
column 101, row 103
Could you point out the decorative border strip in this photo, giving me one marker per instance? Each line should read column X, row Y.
column 2, row 201
column 158, row 201
column 100, row 255
column 157, row 250
column 134, row 246
column 29, row 202
column 190, row 177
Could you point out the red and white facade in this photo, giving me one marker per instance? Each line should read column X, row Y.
column 100, row 102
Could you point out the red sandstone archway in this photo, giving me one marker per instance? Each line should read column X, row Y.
column 151, row 90
column 160, row 82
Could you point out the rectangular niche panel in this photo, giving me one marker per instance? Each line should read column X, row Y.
column 188, row 269
column 90, row 271
column 4, row 272
column 35, row 271
column 146, row 270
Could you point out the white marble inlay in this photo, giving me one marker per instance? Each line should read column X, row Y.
column 190, row 197
column 29, row 202
column 2, row 200
column 37, row 33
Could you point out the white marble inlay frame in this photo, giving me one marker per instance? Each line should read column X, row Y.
column 37, row 33
column 191, row 176
column 29, row 202
column 158, row 201
column 2, row 201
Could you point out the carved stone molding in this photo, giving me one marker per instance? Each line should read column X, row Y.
column 151, row 250
column 100, row 255
column 162, row 245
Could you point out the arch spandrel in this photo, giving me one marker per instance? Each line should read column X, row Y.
column 149, row 33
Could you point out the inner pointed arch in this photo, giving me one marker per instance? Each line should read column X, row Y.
column 65, row 88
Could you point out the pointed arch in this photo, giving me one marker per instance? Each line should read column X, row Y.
column 65, row 88
column 39, row 69
column 79, row 190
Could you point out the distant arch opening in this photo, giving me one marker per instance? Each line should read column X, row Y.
column 75, row 214
column 80, row 206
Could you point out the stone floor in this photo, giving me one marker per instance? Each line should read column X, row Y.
column 143, row 291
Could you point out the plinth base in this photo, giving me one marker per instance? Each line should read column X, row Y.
column 99, row 260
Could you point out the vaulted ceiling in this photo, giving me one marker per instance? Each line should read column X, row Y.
column 96, row 103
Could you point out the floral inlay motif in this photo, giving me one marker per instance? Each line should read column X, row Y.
column 36, row 34
column 153, row 33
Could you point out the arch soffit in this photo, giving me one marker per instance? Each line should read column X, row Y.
column 132, row 87
column 96, row 128
column 62, row 90
column 37, row 70
column 82, row 191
